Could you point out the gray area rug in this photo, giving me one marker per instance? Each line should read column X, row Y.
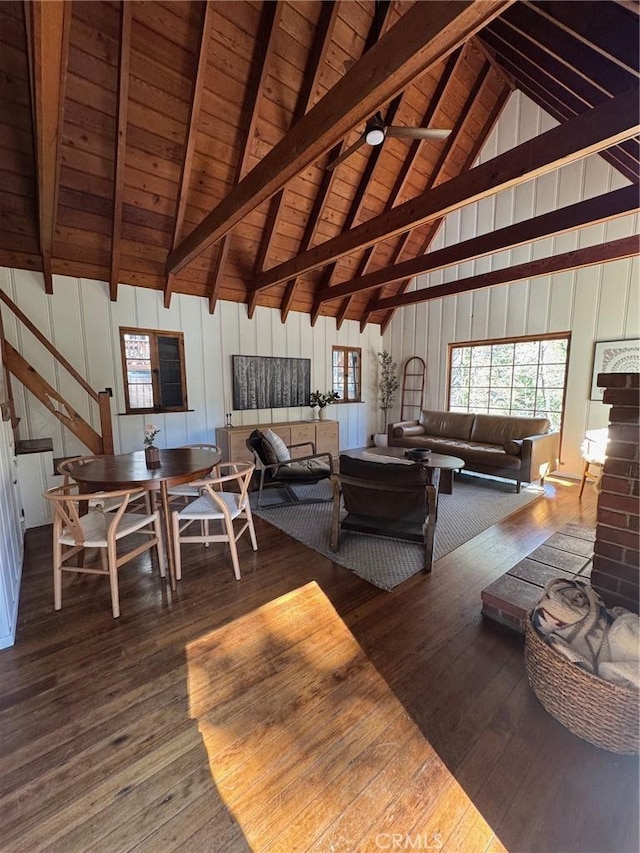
column 476, row 503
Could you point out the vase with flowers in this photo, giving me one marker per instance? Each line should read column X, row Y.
column 151, row 452
column 321, row 401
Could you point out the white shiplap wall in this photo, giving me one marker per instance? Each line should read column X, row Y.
column 597, row 303
column 83, row 324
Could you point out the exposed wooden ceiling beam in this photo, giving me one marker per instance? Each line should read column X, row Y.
column 121, row 144
column 440, row 94
column 458, row 131
column 190, row 140
column 378, row 25
column 560, row 102
column 414, row 44
column 615, row 250
column 48, row 26
column 481, row 138
column 589, row 133
column 617, row 44
column 326, row 26
column 580, row 215
column 355, row 208
column 271, row 15
column 608, row 76
column 500, row 35
column 510, row 43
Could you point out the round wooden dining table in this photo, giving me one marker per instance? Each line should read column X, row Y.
column 129, row 470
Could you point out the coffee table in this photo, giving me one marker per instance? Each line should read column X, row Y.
column 446, row 464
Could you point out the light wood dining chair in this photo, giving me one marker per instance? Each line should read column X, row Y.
column 222, row 499
column 189, row 490
column 98, row 501
column 73, row 532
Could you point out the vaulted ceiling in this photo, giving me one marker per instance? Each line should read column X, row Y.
column 183, row 146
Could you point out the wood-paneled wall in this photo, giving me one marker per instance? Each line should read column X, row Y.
column 596, row 304
column 82, row 322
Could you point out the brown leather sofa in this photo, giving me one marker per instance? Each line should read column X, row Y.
column 513, row 447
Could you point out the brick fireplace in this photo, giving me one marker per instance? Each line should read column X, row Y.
column 616, row 561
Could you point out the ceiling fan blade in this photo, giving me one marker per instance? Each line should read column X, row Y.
column 418, row 132
column 346, row 153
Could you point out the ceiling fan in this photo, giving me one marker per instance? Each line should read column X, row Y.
column 376, row 131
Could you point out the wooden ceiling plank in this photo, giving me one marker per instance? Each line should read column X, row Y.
column 266, row 40
column 589, row 133
column 488, row 126
column 583, row 214
column 439, row 97
column 355, row 208
column 379, row 24
column 190, row 140
column 121, row 145
column 617, row 44
column 608, row 77
column 48, row 26
column 499, row 35
column 538, row 88
column 408, row 49
column 326, row 25
column 615, row 250
column 468, row 110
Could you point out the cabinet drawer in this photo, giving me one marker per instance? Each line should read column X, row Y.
column 238, row 450
column 303, row 433
column 327, row 437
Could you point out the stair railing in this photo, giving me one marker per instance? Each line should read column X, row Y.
column 100, row 443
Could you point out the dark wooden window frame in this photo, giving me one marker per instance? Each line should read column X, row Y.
column 346, row 350
column 154, row 334
column 510, row 340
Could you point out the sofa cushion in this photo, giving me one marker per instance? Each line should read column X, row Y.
column 402, row 431
column 274, row 448
column 476, row 453
column 305, row 470
column 513, row 447
column 256, row 443
column 449, row 424
column 498, row 429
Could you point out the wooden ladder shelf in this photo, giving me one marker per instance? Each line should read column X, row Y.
column 413, row 382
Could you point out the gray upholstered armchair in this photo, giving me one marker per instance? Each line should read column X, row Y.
column 395, row 500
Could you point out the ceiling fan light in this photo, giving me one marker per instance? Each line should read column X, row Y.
column 374, row 135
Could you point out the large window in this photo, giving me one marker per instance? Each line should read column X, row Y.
column 345, row 375
column 512, row 376
column 154, row 374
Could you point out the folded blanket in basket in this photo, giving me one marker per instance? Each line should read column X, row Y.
column 575, row 621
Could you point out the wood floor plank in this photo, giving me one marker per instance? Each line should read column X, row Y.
column 101, row 748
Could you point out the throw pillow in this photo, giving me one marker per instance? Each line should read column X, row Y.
column 514, row 447
column 274, row 448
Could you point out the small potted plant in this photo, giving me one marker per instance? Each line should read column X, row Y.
column 151, row 452
column 387, row 386
column 321, row 400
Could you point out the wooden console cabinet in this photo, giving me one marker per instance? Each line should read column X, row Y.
column 325, row 434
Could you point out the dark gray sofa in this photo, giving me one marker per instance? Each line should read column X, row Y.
column 513, row 447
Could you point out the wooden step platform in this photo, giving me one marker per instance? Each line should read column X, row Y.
column 566, row 554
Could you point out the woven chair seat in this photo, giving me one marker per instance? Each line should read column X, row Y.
column 205, row 507
column 96, row 524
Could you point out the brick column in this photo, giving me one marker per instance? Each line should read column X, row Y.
column 616, row 561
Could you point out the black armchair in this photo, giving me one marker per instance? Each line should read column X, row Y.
column 284, row 475
column 395, row 500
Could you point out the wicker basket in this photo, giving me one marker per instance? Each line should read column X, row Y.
column 605, row 714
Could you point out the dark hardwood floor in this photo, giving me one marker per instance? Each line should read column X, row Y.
column 99, row 750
